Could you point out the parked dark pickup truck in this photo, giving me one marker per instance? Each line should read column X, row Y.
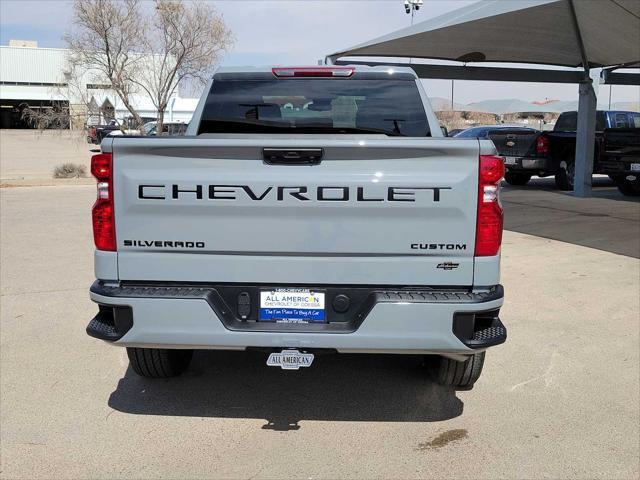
column 620, row 157
column 617, row 152
column 517, row 145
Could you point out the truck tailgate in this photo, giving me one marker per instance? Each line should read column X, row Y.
column 622, row 142
column 514, row 143
column 375, row 210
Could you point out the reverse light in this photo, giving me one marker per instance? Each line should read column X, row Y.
column 490, row 193
column 103, row 214
column 490, row 214
column 313, row 71
column 103, row 190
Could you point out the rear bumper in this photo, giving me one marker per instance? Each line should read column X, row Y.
column 386, row 321
column 533, row 164
column 614, row 166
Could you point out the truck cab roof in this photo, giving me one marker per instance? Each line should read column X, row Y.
column 319, row 71
column 388, row 69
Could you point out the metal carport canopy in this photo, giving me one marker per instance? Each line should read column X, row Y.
column 568, row 33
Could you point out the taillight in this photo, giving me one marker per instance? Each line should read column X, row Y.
column 489, row 223
column 313, row 71
column 542, row 145
column 104, row 225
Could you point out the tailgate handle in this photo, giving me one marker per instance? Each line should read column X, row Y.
column 294, row 156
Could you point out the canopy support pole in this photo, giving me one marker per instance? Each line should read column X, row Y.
column 586, row 134
column 585, row 139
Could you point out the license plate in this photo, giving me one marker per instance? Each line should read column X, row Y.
column 290, row 359
column 510, row 160
column 635, row 167
column 291, row 305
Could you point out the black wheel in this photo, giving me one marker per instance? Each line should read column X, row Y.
column 517, row 178
column 630, row 188
column 158, row 362
column 566, row 174
column 460, row 375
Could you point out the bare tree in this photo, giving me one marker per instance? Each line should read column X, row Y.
column 107, row 35
column 147, row 54
column 185, row 42
column 70, row 111
column 56, row 116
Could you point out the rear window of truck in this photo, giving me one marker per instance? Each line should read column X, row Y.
column 315, row 105
column 626, row 120
column 568, row 122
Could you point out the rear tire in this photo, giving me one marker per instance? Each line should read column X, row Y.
column 460, row 375
column 629, row 188
column 158, row 362
column 517, row 178
column 565, row 175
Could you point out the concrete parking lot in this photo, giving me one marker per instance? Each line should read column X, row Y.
column 559, row 400
column 607, row 221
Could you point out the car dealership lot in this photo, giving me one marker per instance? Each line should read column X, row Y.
column 559, row 399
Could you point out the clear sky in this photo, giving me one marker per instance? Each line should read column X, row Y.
column 299, row 32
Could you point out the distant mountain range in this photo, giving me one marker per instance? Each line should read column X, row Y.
column 513, row 105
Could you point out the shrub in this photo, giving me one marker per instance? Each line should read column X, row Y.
column 70, row 170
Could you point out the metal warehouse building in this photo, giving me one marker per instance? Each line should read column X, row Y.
column 39, row 78
column 30, row 76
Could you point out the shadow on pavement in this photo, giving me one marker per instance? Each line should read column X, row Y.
column 607, row 221
column 337, row 387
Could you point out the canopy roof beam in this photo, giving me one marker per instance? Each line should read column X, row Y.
column 500, row 74
column 615, row 78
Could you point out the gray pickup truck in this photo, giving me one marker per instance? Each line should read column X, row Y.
column 307, row 209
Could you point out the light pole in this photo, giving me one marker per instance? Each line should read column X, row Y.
column 452, row 94
column 411, row 6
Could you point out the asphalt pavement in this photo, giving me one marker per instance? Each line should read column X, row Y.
column 559, row 400
column 607, row 220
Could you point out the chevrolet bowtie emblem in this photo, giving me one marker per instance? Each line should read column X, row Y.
column 448, row 265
